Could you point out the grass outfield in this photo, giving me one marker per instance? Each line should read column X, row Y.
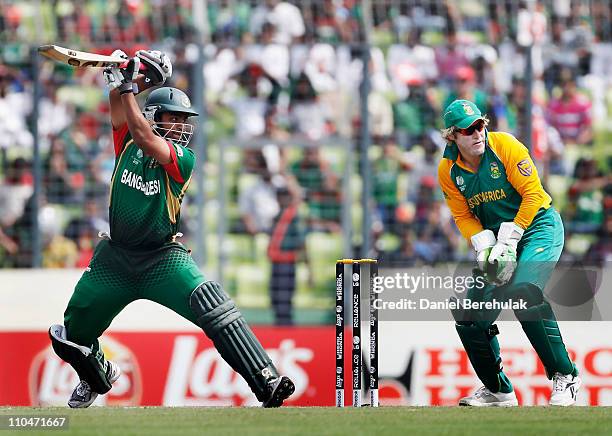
column 321, row 420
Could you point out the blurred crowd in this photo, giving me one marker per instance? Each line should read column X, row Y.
column 283, row 82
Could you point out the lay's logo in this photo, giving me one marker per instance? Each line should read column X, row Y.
column 51, row 380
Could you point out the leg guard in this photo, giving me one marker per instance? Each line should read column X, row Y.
column 83, row 359
column 224, row 324
column 540, row 326
column 477, row 333
column 482, row 349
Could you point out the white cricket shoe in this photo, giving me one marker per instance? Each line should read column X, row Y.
column 83, row 396
column 483, row 397
column 565, row 390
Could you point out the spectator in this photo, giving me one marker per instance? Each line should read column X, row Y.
column 586, row 213
column 334, row 22
column 90, row 223
column 426, row 199
column 58, row 251
column 274, row 58
column 546, row 144
column 437, row 238
column 405, row 255
column 483, row 58
column 95, row 183
column 218, row 70
column 14, row 193
column 55, row 115
column 14, row 108
column 548, row 147
column 285, row 17
column 287, row 20
column 8, row 245
column 320, row 184
column 450, row 57
column 424, row 166
column 466, row 89
column 516, row 116
column 416, row 115
column 287, row 245
column 386, row 170
column 62, row 186
column 79, row 149
column 86, row 242
column 379, row 106
column 250, row 109
column 412, row 54
column 258, row 204
column 570, row 114
column 320, row 68
column 308, row 116
column 600, row 252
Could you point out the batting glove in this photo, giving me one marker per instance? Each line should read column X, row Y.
column 159, row 67
column 482, row 243
column 504, row 251
column 129, row 74
column 112, row 75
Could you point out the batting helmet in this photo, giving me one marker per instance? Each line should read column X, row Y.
column 173, row 100
column 167, row 100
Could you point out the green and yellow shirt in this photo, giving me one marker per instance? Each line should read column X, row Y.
column 145, row 196
column 506, row 186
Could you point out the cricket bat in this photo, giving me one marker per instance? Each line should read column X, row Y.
column 79, row 59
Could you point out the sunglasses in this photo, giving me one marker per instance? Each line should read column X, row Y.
column 479, row 125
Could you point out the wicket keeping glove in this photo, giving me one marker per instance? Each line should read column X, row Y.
column 159, row 67
column 112, row 75
column 504, row 251
column 482, row 243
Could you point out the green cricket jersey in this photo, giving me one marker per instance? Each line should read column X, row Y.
column 145, row 197
column 506, row 186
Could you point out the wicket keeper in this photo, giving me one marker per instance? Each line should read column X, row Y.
column 493, row 190
column 141, row 257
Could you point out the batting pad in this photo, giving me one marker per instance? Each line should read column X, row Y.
column 81, row 358
column 223, row 323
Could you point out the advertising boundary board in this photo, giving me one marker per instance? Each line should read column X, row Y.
column 421, row 363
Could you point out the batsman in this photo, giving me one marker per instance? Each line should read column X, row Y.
column 141, row 257
column 493, row 190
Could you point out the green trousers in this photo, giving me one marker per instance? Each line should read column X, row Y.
column 538, row 252
column 117, row 276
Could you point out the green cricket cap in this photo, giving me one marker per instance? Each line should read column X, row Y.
column 461, row 113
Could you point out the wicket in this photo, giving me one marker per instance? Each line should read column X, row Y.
column 356, row 366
